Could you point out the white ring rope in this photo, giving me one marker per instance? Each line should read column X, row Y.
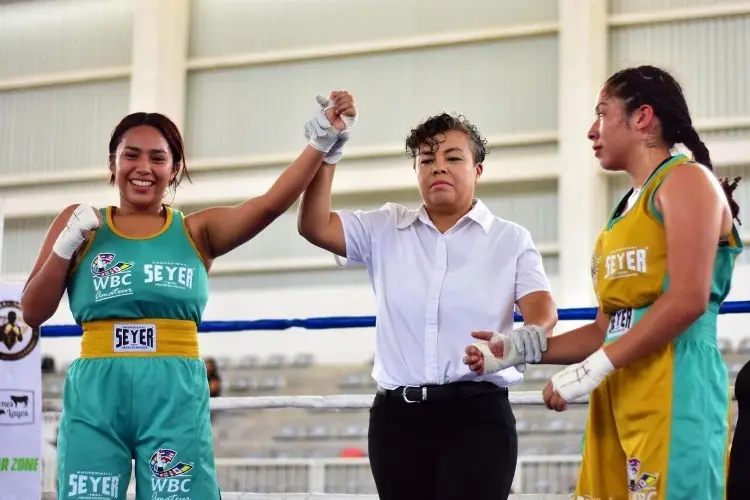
column 335, row 402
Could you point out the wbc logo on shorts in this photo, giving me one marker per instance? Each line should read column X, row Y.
column 161, row 464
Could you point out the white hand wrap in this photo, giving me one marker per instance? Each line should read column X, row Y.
column 324, row 137
column 337, row 151
column 580, row 379
column 510, row 357
column 525, row 344
column 83, row 220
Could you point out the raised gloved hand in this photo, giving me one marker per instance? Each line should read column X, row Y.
column 497, row 351
column 576, row 381
column 82, row 222
column 330, row 128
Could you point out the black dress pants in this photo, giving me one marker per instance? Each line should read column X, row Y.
column 738, row 480
column 464, row 446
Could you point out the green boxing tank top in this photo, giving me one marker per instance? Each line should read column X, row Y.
column 119, row 277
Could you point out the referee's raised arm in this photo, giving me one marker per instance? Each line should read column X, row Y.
column 440, row 271
column 315, row 221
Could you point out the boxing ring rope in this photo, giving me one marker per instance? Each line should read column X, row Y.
column 331, row 322
column 333, row 402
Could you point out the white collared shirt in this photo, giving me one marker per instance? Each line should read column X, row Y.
column 434, row 289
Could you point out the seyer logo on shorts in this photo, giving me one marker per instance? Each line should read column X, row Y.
column 90, row 485
column 112, row 278
column 171, row 480
column 137, row 337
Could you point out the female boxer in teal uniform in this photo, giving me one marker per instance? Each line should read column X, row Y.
column 137, row 281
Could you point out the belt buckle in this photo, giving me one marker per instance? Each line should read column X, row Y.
column 424, row 394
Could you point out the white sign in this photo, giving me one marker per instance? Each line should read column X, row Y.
column 21, row 419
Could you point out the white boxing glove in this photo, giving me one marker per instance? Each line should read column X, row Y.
column 530, row 341
column 337, row 150
column 580, row 379
column 84, row 219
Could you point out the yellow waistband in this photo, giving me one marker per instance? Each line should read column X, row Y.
column 143, row 337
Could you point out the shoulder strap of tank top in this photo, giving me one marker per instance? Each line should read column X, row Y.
column 655, row 182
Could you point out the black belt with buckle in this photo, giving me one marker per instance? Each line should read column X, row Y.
column 446, row 392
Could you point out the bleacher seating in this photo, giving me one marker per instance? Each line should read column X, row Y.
column 322, row 433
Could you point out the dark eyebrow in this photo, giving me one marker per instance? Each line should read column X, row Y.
column 138, row 150
column 598, row 107
column 447, row 151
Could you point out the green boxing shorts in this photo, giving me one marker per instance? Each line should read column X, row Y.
column 151, row 410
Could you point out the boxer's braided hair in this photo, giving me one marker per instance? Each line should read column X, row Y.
column 657, row 88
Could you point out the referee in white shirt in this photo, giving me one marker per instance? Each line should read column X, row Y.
column 437, row 430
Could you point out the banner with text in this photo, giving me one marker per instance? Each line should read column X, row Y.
column 20, row 401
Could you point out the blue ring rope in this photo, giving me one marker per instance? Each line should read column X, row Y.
column 332, row 322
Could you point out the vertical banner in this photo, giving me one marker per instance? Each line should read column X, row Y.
column 21, row 420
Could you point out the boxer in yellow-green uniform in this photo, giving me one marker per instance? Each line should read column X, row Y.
column 648, row 413
column 659, row 392
column 137, row 280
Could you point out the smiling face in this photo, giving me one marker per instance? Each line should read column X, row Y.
column 143, row 167
column 447, row 174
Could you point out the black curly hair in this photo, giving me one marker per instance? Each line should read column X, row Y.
column 432, row 132
column 655, row 87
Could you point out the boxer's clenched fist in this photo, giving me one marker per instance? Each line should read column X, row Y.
column 341, row 110
column 82, row 222
column 330, row 128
